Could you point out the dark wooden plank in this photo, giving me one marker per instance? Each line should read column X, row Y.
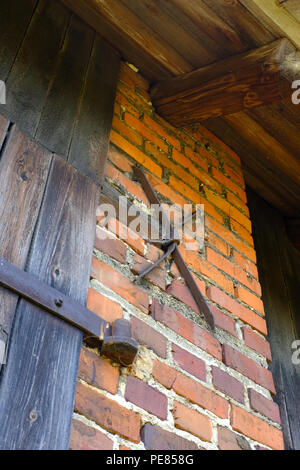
column 29, row 78
column 4, row 123
column 245, row 81
column 23, row 174
column 293, row 231
column 15, row 17
column 279, row 272
column 38, row 386
column 90, row 141
column 152, row 13
column 61, row 106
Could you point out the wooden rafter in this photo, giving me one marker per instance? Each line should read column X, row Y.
column 261, row 76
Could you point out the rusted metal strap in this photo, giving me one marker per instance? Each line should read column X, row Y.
column 171, row 248
column 97, row 331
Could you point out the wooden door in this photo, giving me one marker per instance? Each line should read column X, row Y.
column 279, row 272
column 54, row 135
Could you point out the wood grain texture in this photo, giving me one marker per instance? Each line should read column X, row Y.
column 38, row 385
column 90, row 140
column 15, row 17
column 29, row 78
column 23, row 174
column 4, row 123
column 279, row 268
column 63, row 99
column 241, row 82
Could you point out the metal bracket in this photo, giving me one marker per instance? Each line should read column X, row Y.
column 170, row 247
column 97, row 331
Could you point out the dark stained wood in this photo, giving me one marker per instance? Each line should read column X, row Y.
column 90, row 141
column 38, row 385
column 293, row 230
column 23, row 174
column 60, row 110
column 15, row 17
column 240, row 82
column 29, row 78
column 279, row 272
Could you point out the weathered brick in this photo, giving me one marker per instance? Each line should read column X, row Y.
column 186, row 328
column 264, row 406
column 156, row 438
column 113, row 247
column 131, row 238
column 245, row 264
column 147, row 336
column 248, row 367
column 227, row 384
column 143, row 395
column 157, row 276
column 256, row 342
column 105, row 308
column 200, row 395
column 192, row 421
column 118, row 159
column 256, row 428
column 122, row 180
column 120, row 284
column 164, row 374
column 250, row 299
column 126, row 131
column 223, row 321
column 228, row 440
column 84, row 437
column 183, row 293
column 107, row 413
column 98, row 371
column 245, row 314
column 220, row 261
column 146, row 132
column 189, row 362
column 218, row 243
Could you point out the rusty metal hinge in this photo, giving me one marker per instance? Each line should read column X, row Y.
column 114, row 340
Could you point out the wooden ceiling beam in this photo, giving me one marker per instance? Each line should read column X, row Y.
column 259, row 77
column 274, row 16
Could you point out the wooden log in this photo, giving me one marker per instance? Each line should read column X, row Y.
column 247, row 80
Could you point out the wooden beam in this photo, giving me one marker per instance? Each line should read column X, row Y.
column 245, row 81
column 275, row 17
column 293, row 230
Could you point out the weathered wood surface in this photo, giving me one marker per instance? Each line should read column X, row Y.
column 90, row 140
column 241, row 82
column 38, row 384
column 293, row 230
column 57, row 120
column 29, row 78
column 279, row 271
column 23, row 174
column 3, row 129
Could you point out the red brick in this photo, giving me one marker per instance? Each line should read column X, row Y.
column 191, row 421
column 186, row 328
column 229, row 184
column 154, row 253
column 131, row 238
column 156, row 438
column 127, row 132
column 227, row 384
column 141, row 394
column 185, row 190
column 264, row 406
column 245, row 264
column 250, row 299
column 218, row 243
column 126, row 105
column 256, row 342
column 236, row 175
column 107, row 413
column 165, row 190
column 135, row 153
column 210, row 136
column 98, row 372
column 248, row 367
column 228, row 440
column 200, row 395
column 104, row 307
column 183, row 293
column 113, row 247
column 120, row 285
column 84, row 437
column 220, row 262
column 119, row 160
column 256, row 428
column 147, row 336
column 187, row 163
column 245, row 314
column 196, row 157
column 189, row 362
column 241, row 224
column 157, row 276
column 164, row 374
column 123, row 181
column 162, row 132
column 145, row 132
column 223, row 321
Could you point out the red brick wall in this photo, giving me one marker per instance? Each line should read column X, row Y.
column 188, row 388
